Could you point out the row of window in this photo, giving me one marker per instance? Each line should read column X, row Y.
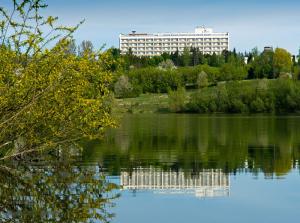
column 174, row 45
column 172, row 50
column 159, row 53
column 176, row 40
column 160, row 48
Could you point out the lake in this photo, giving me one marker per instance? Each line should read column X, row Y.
column 168, row 168
column 192, row 168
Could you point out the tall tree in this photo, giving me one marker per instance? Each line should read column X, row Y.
column 263, row 65
column 86, row 48
column 175, row 57
column 72, row 48
column 294, row 63
column 255, row 52
column 115, row 52
column 202, row 59
column 165, row 55
column 195, row 56
column 234, row 52
column 282, row 61
column 213, row 60
column 186, row 57
column 299, row 57
column 250, row 58
column 226, row 55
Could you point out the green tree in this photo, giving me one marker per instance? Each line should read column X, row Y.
column 231, row 71
column 214, row 60
column 176, row 58
column 167, row 64
column 282, row 62
column 263, row 65
column 202, row 80
column 177, row 100
column 299, row 57
column 195, row 56
column 255, row 52
column 296, row 73
column 186, row 57
column 202, row 59
column 123, row 88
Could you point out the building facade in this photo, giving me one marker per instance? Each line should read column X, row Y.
column 143, row 44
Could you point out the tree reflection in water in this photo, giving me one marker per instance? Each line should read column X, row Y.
column 60, row 192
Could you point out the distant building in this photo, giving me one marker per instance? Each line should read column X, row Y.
column 143, row 44
column 207, row 183
column 268, row 49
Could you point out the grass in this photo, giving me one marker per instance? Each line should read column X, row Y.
column 145, row 103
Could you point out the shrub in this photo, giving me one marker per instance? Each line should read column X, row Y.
column 203, row 102
column 248, row 96
column 257, row 105
column 222, row 98
column 237, row 106
column 49, row 97
column 202, row 80
column 124, row 89
column 154, row 80
column 177, row 100
column 232, row 72
column 167, row 64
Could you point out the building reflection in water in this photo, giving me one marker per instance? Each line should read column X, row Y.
column 207, row 183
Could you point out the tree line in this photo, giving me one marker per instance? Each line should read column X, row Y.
column 192, row 69
column 259, row 96
column 266, row 64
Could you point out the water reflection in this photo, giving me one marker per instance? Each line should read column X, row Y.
column 207, row 183
column 56, row 192
column 268, row 144
column 173, row 156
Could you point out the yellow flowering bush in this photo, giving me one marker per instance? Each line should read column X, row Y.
column 47, row 96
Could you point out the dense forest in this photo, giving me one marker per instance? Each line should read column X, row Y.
column 232, row 82
column 134, row 75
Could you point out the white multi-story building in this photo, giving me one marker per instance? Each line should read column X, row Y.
column 143, row 44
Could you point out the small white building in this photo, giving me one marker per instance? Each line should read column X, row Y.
column 143, row 44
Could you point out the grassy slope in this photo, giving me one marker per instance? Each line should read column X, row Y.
column 150, row 103
column 145, row 103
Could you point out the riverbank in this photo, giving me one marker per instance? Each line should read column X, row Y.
column 279, row 96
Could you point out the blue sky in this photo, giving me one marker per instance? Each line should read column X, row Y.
column 250, row 23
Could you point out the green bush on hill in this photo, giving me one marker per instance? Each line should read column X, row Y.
column 155, row 80
column 259, row 96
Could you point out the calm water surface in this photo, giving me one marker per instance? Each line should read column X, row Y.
column 191, row 168
column 163, row 168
